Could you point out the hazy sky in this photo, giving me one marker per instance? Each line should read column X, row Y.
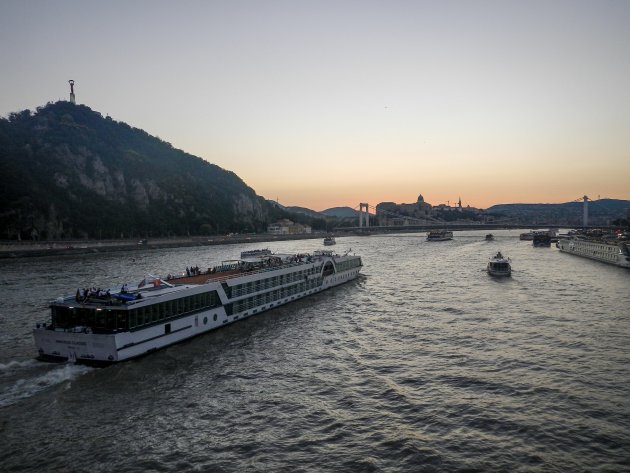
column 332, row 103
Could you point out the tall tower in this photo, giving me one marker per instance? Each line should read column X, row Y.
column 71, row 82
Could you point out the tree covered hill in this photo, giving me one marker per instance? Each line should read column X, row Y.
column 68, row 172
column 600, row 212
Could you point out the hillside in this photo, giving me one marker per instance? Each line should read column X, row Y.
column 601, row 212
column 341, row 212
column 68, row 172
column 304, row 211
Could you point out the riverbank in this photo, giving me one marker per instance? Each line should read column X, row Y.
column 49, row 248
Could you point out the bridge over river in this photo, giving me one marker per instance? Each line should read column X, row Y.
column 442, row 226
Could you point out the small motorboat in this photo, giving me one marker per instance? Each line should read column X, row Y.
column 499, row 265
column 489, row 237
column 329, row 241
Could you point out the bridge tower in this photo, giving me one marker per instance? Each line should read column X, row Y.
column 366, row 214
column 585, row 215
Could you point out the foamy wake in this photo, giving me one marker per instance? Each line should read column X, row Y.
column 29, row 386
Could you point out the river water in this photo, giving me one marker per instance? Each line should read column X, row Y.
column 425, row 363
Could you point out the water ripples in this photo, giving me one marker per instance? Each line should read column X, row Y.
column 422, row 364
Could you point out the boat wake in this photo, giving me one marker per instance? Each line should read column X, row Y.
column 23, row 379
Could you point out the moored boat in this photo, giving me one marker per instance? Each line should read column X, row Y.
column 541, row 239
column 439, row 235
column 607, row 249
column 499, row 265
column 102, row 327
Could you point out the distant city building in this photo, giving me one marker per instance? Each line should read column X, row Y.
column 392, row 214
column 287, row 227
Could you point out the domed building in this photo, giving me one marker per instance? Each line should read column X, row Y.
column 424, row 209
column 392, row 214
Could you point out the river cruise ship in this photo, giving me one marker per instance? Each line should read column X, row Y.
column 104, row 327
column 608, row 250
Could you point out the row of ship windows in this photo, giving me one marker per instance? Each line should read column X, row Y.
column 256, row 286
column 606, row 249
column 117, row 320
column 604, row 254
column 349, row 264
column 272, row 296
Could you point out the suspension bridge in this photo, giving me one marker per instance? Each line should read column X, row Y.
column 371, row 218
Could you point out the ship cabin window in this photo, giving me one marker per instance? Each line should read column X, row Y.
column 95, row 318
column 110, row 322
column 133, row 319
column 122, row 322
column 155, row 313
column 100, row 319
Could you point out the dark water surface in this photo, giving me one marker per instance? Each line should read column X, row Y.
column 425, row 363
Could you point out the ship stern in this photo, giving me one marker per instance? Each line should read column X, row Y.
column 75, row 346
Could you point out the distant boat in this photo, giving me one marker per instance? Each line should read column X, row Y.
column 499, row 266
column 489, row 237
column 532, row 234
column 255, row 253
column 541, row 239
column 609, row 249
column 439, row 235
column 329, row 241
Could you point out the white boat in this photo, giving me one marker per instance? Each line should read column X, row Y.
column 255, row 253
column 499, row 265
column 329, row 241
column 539, row 236
column 608, row 250
column 112, row 326
column 439, row 235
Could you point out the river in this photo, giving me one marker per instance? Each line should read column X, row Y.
column 425, row 363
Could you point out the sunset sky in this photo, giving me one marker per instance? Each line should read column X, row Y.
column 331, row 103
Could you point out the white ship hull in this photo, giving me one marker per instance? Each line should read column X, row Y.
column 599, row 250
column 80, row 344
